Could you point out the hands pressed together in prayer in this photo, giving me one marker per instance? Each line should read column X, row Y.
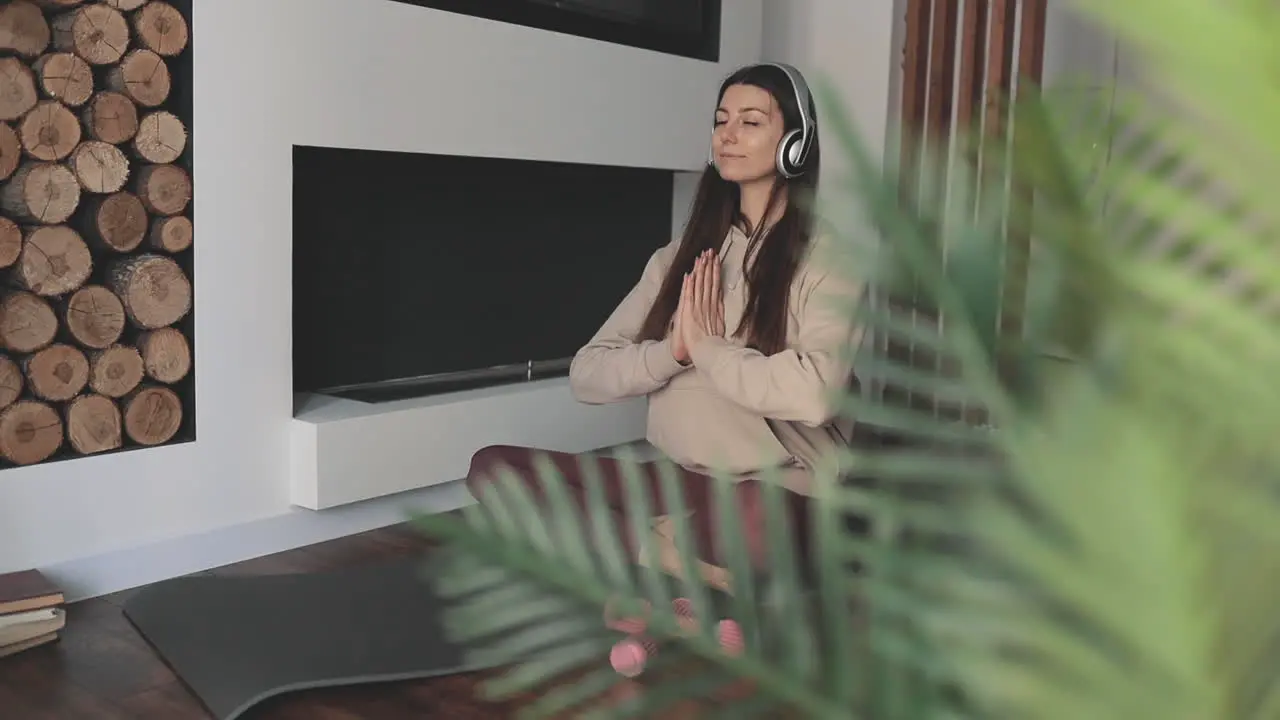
column 700, row 313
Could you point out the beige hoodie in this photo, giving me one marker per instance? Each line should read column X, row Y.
column 735, row 409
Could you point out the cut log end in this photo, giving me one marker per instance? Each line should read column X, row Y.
column 111, row 117
column 118, row 222
column 143, row 76
column 100, row 167
column 94, row 317
column 94, row 424
column 49, row 132
column 57, row 373
column 10, row 242
column 171, row 234
column 161, row 137
column 65, row 77
column 46, row 193
column 166, row 354
column 96, row 32
column 54, row 261
column 27, row 322
column 30, row 432
column 161, row 28
column 17, row 89
column 12, row 381
column 152, row 415
column 116, row 371
column 163, row 189
column 126, row 5
column 10, row 150
column 23, row 29
column 155, row 290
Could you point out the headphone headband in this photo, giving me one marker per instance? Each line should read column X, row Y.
column 793, row 151
column 808, row 123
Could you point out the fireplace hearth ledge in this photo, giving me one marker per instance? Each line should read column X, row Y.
column 345, row 451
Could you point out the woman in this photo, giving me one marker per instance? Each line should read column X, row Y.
column 740, row 332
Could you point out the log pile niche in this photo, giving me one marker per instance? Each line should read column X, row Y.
column 96, row 228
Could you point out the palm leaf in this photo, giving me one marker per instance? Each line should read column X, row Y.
column 1126, row 461
column 546, row 570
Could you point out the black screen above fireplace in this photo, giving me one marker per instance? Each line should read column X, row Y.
column 410, row 265
column 689, row 28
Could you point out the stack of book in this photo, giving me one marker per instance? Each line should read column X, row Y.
column 31, row 611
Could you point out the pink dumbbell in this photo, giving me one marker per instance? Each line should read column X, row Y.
column 630, row 656
column 729, row 631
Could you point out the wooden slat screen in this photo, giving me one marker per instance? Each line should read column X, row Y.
column 961, row 60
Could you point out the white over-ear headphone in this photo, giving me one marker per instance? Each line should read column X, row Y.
column 793, row 150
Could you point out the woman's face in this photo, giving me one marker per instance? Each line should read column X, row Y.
column 748, row 128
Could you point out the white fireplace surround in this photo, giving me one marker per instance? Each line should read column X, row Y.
column 345, row 451
column 376, row 75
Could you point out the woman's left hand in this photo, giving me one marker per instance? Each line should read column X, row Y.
column 702, row 301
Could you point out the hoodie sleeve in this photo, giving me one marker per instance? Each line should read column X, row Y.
column 613, row 366
column 802, row 383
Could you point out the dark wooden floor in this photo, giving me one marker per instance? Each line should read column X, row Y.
column 101, row 669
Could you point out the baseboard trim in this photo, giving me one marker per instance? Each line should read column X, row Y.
column 98, row 575
column 103, row 574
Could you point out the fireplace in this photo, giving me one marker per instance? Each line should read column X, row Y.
column 417, row 274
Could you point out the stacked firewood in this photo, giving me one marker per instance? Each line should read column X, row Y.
column 95, row 228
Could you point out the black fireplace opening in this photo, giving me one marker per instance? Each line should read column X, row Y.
column 416, row 274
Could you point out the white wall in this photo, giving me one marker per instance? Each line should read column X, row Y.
column 850, row 43
column 354, row 73
column 431, row 81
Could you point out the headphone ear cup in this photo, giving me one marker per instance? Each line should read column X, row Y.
column 789, row 154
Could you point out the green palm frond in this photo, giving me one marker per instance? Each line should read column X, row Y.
column 1155, row 457
column 531, row 581
column 1109, row 547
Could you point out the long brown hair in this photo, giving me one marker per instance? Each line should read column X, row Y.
column 774, row 253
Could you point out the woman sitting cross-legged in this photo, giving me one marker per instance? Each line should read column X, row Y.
column 740, row 333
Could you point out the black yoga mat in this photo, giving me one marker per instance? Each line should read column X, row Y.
column 236, row 641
